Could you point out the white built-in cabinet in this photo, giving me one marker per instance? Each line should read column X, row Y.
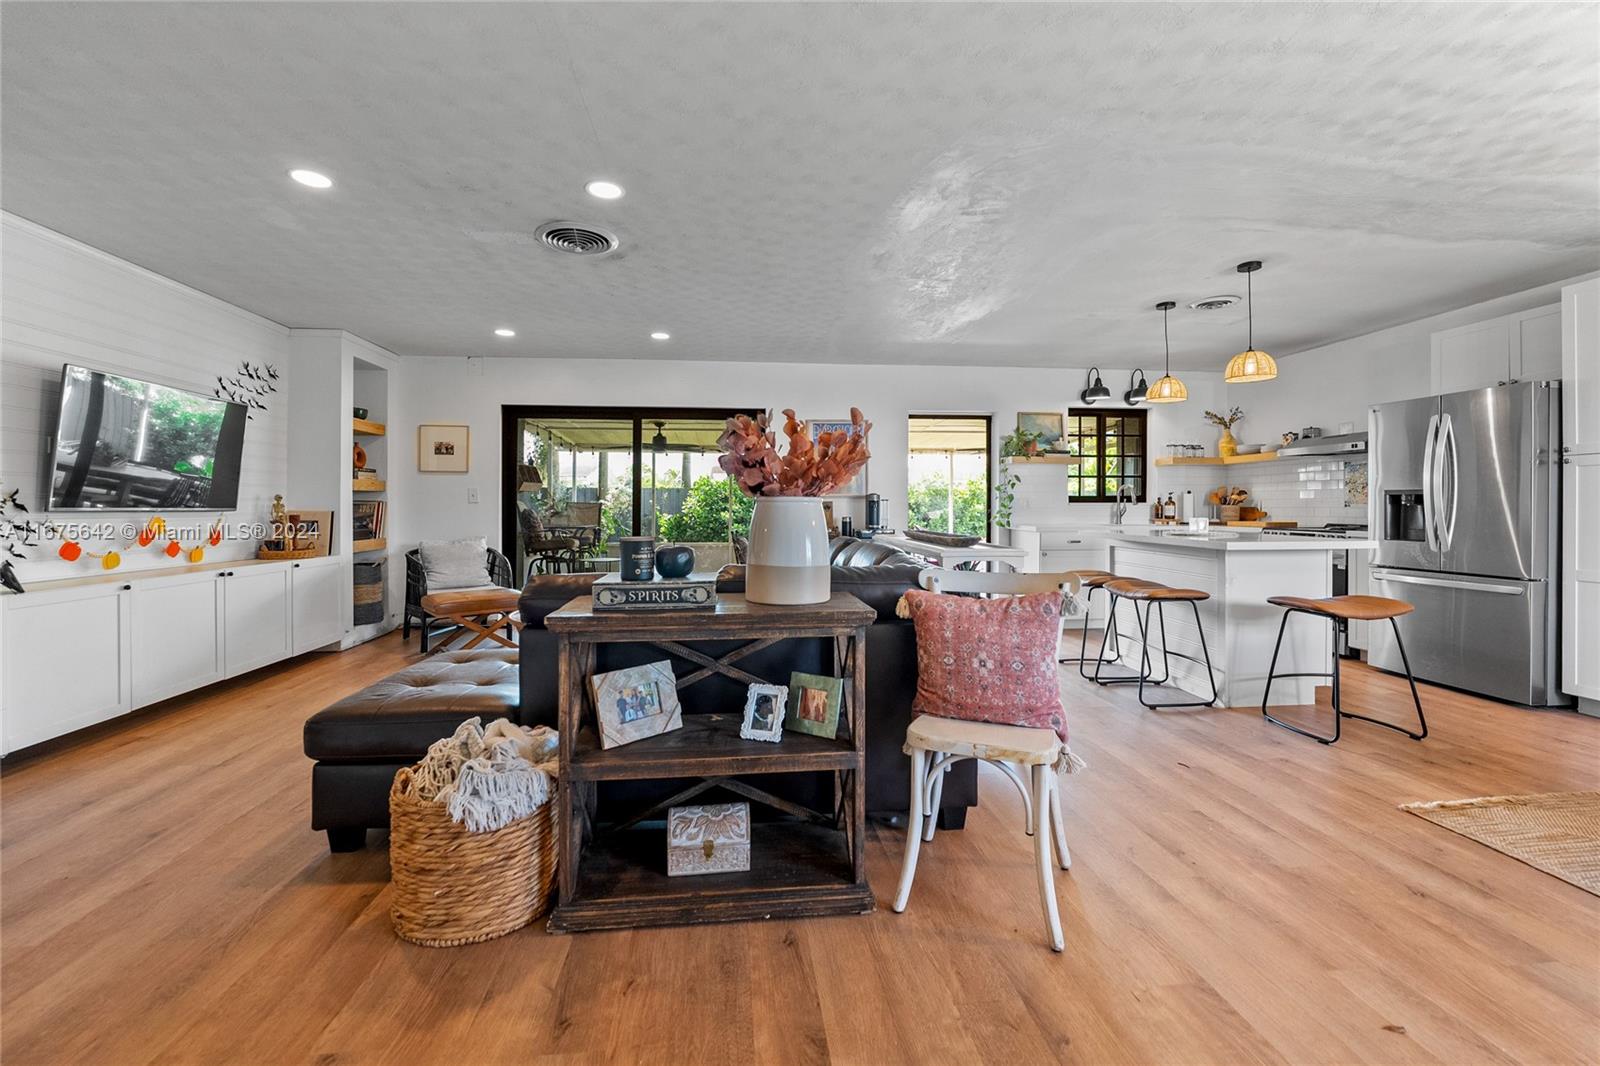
column 1580, row 491
column 317, row 600
column 76, row 653
column 1525, row 346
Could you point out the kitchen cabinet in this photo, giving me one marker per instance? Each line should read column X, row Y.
column 317, row 594
column 1580, row 492
column 176, row 634
column 65, row 662
column 81, row 650
column 1525, row 346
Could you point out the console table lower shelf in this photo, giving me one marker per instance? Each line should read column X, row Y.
column 796, row 870
column 803, row 863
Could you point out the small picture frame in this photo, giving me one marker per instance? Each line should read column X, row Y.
column 312, row 529
column 1050, row 425
column 443, row 448
column 828, row 519
column 813, row 707
column 763, row 713
column 639, row 702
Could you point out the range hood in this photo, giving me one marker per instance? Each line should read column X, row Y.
column 1342, row 444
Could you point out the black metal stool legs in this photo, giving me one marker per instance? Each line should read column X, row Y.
column 1147, row 664
column 1339, row 625
column 1114, row 636
column 1083, row 652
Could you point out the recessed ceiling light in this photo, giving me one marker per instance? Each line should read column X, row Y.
column 312, row 178
column 503, row 332
column 604, row 190
column 660, row 336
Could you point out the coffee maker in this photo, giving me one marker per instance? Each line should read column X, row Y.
column 875, row 513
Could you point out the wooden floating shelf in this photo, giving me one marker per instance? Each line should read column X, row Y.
column 1061, row 460
column 369, row 484
column 376, row 545
column 1218, row 460
column 366, row 428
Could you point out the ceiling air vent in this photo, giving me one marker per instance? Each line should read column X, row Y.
column 1213, row 303
column 576, row 239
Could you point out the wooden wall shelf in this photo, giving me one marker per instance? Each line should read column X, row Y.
column 376, row 545
column 1232, row 460
column 366, row 484
column 366, row 428
column 1060, row 460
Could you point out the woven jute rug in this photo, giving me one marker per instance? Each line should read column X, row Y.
column 1557, row 832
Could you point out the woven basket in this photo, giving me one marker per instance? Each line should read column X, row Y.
column 454, row 887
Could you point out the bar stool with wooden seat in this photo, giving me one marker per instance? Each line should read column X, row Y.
column 1088, row 580
column 1157, row 596
column 1111, row 635
column 1341, row 611
column 935, row 743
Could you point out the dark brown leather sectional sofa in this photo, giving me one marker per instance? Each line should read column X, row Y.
column 360, row 743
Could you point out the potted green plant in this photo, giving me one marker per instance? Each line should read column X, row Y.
column 1020, row 443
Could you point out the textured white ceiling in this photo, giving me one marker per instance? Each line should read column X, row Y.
column 881, row 183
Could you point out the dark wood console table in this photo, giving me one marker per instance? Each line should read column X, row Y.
column 812, row 863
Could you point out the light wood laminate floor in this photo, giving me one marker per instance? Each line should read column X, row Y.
column 1238, row 894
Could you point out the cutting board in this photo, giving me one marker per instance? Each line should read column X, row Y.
column 1264, row 523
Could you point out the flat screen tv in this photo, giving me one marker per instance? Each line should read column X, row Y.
column 128, row 445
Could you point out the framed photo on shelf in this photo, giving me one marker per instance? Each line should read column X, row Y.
column 312, row 529
column 639, row 702
column 1049, row 425
column 813, row 707
column 857, row 485
column 443, row 449
column 763, row 713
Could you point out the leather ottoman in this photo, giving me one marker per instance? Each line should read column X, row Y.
column 360, row 741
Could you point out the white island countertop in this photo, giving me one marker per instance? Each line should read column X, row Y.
column 1217, row 539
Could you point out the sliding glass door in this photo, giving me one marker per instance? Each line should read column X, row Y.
column 576, row 479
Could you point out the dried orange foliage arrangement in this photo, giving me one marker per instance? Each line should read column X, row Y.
column 808, row 468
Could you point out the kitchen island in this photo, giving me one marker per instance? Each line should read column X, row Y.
column 1240, row 569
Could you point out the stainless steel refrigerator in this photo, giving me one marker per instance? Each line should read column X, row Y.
column 1465, row 505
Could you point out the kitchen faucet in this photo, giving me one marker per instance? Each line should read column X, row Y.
column 1122, row 508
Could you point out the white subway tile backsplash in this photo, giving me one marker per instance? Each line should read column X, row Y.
column 1311, row 491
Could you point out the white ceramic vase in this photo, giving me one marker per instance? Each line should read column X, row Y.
column 788, row 560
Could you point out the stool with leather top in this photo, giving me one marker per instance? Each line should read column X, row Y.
column 1341, row 611
column 1156, row 596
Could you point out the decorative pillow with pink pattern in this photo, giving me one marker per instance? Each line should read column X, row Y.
column 988, row 660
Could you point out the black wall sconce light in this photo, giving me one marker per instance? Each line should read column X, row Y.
column 1138, row 389
column 1096, row 389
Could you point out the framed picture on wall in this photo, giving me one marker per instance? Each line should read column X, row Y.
column 858, row 484
column 443, row 449
column 1048, row 424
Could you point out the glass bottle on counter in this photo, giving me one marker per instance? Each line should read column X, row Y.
column 1169, row 510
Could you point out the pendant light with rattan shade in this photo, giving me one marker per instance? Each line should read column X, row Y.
column 1167, row 388
column 1250, row 365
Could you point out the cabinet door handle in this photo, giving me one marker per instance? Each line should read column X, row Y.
column 127, row 588
column 297, row 566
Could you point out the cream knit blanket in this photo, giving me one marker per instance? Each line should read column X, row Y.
column 489, row 778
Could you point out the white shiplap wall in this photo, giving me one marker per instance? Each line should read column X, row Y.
column 65, row 302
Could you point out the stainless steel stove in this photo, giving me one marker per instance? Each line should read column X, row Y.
column 1343, row 530
column 1342, row 581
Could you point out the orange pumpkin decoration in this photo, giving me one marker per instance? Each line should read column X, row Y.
column 110, row 561
column 146, row 536
column 173, row 548
column 196, row 554
column 70, row 551
column 216, row 534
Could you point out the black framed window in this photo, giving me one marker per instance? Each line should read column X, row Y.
column 1114, row 450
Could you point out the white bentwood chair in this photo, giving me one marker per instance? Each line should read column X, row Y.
column 934, row 744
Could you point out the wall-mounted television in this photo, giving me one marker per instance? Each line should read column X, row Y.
column 127, row 445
